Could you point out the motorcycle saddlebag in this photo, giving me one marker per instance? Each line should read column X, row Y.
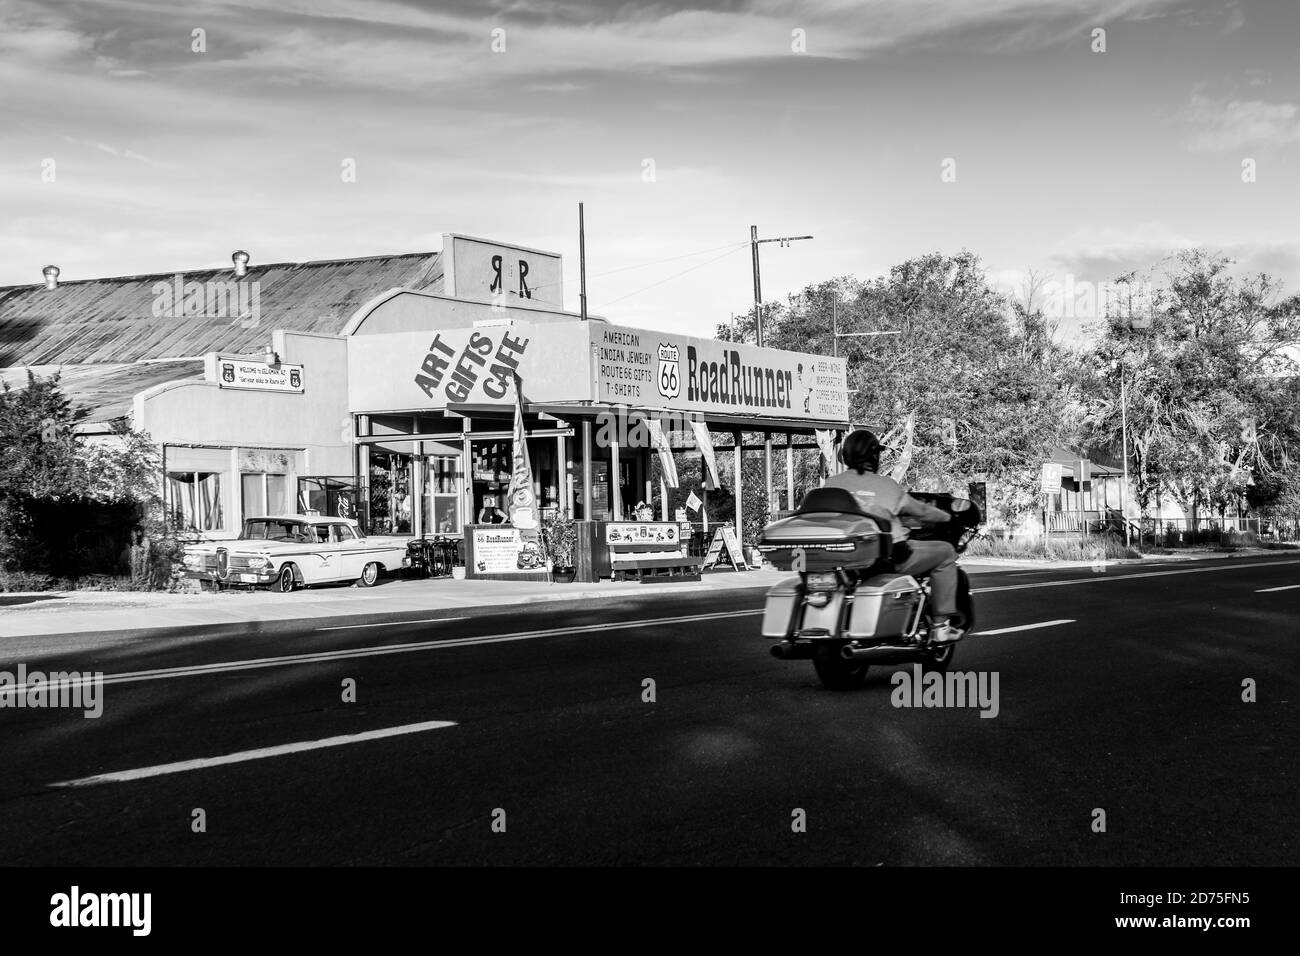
column 783, row 602
column 884, row 606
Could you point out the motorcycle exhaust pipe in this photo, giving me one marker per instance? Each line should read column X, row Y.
column 785, row 651
column 850, row 653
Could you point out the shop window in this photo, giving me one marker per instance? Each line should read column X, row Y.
column 332, row 497
column 264, row 494
column 194, row 500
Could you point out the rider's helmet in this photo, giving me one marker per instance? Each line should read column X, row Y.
column 861, row 451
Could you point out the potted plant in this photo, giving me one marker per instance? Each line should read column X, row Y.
column 559, row 539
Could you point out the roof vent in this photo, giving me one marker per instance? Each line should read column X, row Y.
column 51, row 274
column 240, row 258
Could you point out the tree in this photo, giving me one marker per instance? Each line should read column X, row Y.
column 1211, row 386
column 69, row 505
column 987, row 384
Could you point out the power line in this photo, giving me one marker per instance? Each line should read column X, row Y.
column 652, row 262
column 676, row 275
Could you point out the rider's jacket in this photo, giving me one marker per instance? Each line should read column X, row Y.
column 880, row 494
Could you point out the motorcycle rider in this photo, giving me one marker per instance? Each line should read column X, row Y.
column 938, row 559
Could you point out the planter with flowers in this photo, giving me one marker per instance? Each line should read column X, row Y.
column 559, row 540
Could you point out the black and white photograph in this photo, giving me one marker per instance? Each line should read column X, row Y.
column 834, row 454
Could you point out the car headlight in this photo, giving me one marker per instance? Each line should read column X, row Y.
column 258, row 562
column 193, row 560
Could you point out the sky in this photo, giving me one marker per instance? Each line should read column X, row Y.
column 140, row 137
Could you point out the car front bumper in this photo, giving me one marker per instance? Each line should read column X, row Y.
column 239, row 576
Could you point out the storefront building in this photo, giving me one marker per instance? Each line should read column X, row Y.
column 394, row 401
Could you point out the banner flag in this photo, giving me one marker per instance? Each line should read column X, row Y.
column 660, row 442
column 705, row 442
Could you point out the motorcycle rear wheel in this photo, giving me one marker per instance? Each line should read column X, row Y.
column 835, row 672
column 937, row 659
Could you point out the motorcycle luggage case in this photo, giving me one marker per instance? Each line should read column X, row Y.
column 783, row 601
column 883, row 606
column 827, row 540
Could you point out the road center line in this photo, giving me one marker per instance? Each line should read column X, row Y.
column 1285, row 587
column 1102, row 576
column 1023, row 627
column 259, row 754
column 440, row 644
column 198, row 670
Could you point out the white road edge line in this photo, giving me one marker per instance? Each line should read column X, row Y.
column 1285, row 587
column 1023, row 627
column 428, row 620
column 260, row 753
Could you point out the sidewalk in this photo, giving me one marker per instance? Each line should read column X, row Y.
column 84, row 612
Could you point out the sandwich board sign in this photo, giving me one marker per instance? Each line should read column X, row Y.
column 725, row 543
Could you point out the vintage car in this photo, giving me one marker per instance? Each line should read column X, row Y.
column 291, row 551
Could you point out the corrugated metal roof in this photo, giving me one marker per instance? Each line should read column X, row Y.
column 107, row 321
column 108, row 390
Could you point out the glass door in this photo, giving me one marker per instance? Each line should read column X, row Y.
column 444, row 485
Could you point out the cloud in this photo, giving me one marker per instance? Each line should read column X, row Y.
column 1239, row 124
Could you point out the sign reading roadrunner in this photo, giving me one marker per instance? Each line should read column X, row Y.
column 708, row 375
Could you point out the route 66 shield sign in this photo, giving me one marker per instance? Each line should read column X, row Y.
column 670, row 384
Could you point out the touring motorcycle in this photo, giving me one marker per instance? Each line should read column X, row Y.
column 848, row 607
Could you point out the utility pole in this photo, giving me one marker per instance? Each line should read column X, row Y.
column 754, row 243
column 1123, row 414
column 582, row 264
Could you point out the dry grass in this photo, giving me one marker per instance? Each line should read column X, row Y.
column 1038, row 549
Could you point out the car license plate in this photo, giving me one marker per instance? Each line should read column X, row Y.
column 248, row 578
column 823, row 582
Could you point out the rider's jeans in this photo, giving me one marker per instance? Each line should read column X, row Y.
column 939, row 560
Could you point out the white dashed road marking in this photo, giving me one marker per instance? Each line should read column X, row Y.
column 260, row 753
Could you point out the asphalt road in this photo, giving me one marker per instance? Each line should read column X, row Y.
column 534, row 717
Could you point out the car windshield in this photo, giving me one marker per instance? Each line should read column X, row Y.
column 267, row 529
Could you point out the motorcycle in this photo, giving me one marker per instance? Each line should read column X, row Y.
column 848, row 607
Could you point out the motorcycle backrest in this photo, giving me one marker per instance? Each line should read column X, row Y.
column 840, row 501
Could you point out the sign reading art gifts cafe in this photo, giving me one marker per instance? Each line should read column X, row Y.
column 579, row 362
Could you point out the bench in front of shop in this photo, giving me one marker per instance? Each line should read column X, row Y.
column 648, row 561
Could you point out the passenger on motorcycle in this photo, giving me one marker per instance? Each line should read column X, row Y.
column 938, row 559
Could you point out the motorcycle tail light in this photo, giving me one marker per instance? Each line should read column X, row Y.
column 818, row 599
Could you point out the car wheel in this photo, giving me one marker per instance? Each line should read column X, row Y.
column 286, row 581
column 369, row 575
